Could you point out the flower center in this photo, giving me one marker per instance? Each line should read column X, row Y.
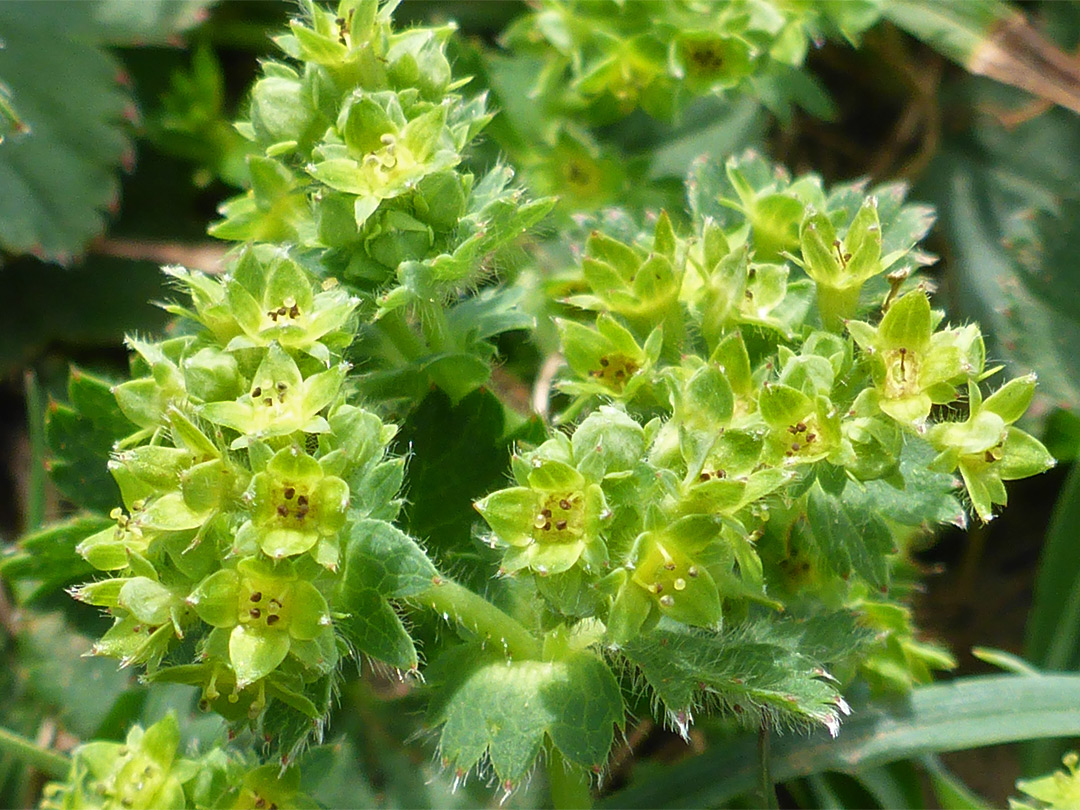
column 901, row 373
column 615, row 370
column 665, row 575
column 801, row 437
column 293, row 505
column 270, row 393
column 262, row 605
column 288, row 310
column 561, row 519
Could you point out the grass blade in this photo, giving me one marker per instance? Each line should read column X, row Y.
column 967, row 713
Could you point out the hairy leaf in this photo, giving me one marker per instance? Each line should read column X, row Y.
column 80, row 438
column 764, row 669
column 504, row 709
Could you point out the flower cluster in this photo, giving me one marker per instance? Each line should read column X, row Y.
column 746, row 418
column 602, row 60
column 146, row 771
column 246, row 466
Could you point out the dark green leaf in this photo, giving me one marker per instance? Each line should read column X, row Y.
column 81, row 437
column 46, row 560
column 853, row 539
column 504, row 709
column 770, row 668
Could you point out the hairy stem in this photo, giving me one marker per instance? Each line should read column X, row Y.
column 397, row 332
column 837, row 304
column 46, row 761
column 568, row 784
column 476, row 614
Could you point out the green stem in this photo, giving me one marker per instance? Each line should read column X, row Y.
column 35, row 488
column 435, row 326
column 768, row 790
column 837, row 304
column 568, row 783
column 401, row 336
column 48, row 762
column 479, row 616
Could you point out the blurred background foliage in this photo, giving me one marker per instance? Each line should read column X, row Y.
column 133, row 151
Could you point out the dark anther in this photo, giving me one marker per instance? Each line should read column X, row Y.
column 272, row 619
column 255, row 613
column 604, row 362
column 282, row 510
column 560, row 525
column 281, row 310
column 256, row 393
column 274, row 603
column 257, row 596
column 282, row 386
column 289, row 493
column 268, row 401
column 294, row 311
column 796, row 447
column 703, row 477
column 545, row 513
column 302, row 500
column 564, row 504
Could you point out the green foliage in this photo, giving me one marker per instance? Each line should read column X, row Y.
column 58, row 170
column 756, row 418
column 1059, row 789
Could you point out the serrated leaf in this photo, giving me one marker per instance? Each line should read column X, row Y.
column 80, row 437
column 58, row 179
column 46, row 560
column 384, row 558
column 457, row 453
column 927, row 496
column 773, row 666
column 381, row 563
column 504, row 709
column 853, row 539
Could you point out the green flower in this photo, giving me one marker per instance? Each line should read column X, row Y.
column 270, row 787
column 551, row 524
column 607, row 360
column 840, row 267
column 664, row 577
column 141, row 773
column 297, row 507
column 268, row 298
column 642, row 287
column 382, row 154
column 268, row 610
column 986, row 447
column 110, row 549
column 802, row 429
column 280, row 401
column 1060, row 789
column 913, row 366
